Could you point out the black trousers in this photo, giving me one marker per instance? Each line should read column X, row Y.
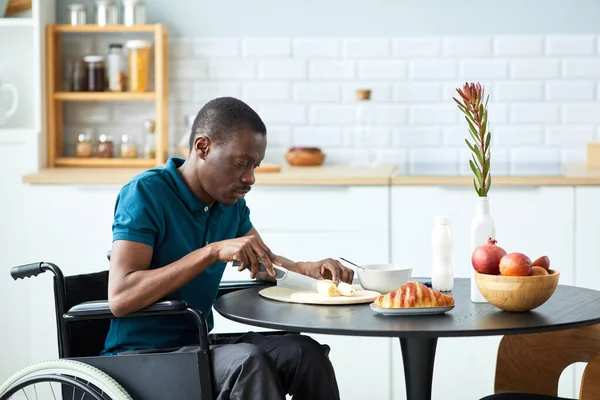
column 254, row 366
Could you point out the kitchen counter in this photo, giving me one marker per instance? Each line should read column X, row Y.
column 335, row 175
column 522, row 175
column 341, row 175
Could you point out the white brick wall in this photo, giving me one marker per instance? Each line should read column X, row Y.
column 544, row 93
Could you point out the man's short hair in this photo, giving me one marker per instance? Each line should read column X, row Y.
column 220, row 118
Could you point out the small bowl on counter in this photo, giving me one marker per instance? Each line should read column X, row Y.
column 305, row 156
column 383, row 278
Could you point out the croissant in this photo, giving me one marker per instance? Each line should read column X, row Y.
column 414, row 294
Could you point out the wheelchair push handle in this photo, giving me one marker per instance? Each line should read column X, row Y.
column 27, row 270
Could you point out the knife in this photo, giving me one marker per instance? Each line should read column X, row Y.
column 288, row 279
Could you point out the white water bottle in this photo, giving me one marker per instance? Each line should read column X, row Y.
column 482, row 227
column 442, row 274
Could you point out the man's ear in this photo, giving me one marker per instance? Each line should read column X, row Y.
column 202, row 146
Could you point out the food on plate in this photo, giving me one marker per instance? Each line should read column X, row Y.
column 515, row 264
column 345, row 289
column 327, row 288
column 543, row 262
column 536, row 271
column 486, row 258
column 414, row 294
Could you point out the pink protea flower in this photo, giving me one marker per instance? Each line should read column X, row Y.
column 476, row 115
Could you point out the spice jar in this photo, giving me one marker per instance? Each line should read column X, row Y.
column 115, row 68
column 139, row 65
column 83, row 147
column 77, row 14
column 134, row 12
column 78, row 76
column 149, row 139
column 96, row 73
column 105, row 147
column 106, row 12
column 128, row 147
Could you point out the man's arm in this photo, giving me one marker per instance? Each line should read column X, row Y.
column 132, row 286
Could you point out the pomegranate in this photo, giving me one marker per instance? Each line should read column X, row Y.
column 486, row 258
column 543, row 262
column 515, row 264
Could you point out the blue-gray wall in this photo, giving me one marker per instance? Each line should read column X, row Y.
column 368, row 17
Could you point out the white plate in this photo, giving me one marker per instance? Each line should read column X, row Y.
column 411, row 310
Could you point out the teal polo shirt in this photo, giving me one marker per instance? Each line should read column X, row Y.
column 157, row 208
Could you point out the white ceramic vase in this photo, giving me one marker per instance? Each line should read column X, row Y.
column 482, row 227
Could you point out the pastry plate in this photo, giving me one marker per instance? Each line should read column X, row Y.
column 411, row 311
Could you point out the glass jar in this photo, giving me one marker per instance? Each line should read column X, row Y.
column 79, row 78
column 77, row 14
column 134, row 12
column 115, row 68
column 149, row 139
column 139, row 65
column 106, row 12
column 96, row 73
column 128, row 147
column 105, row 147
column 83, row 147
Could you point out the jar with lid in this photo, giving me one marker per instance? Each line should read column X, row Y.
column 149, row 139
column 139, row 65
column 79, row 78
column 128, row 147
column 105, row 146
column 115, row 68
column 134, row 12
column 77, row 14
column 83, row 147
column 96, row 73
column 106, row 12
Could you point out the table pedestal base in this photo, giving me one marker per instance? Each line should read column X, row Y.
column 418, row 356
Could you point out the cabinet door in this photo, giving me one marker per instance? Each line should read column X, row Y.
column 587, row 251
column 533, row 220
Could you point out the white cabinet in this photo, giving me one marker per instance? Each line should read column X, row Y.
column 533, row 220
column 309, row 223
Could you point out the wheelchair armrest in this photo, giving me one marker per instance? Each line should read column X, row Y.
column 100, row 308
column 232, row 286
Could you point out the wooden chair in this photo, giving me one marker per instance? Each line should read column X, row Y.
column 533, row 363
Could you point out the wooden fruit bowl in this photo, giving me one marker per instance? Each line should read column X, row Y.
column 517, row 293
column 305, row 156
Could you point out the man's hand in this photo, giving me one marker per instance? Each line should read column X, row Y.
column 248, row 250
column 327, row 269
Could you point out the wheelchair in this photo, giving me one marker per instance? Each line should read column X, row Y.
column 83, row 319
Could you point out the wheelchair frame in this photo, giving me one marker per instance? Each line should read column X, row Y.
column 184, row 374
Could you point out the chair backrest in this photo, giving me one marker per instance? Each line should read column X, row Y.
column 548, row 354
column 85, row 338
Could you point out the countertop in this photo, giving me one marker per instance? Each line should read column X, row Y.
column 341, row 175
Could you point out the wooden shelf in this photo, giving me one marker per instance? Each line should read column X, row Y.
column 104, row 96
column 150, row 28
column 104, row 162
column 56, row 98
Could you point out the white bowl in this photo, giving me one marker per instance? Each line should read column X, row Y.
column 383, row 278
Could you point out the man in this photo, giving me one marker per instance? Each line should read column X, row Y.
column 174, row 230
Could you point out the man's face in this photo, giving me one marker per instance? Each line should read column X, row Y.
column 229, row 167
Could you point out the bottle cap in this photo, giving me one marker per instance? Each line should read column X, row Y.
column 363, row 94
column 442, row 220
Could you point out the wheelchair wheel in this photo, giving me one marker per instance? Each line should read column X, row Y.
column 60, row 380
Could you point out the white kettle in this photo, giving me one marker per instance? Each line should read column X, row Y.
column 7, row 112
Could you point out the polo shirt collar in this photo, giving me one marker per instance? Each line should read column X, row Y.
column 191, row 200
